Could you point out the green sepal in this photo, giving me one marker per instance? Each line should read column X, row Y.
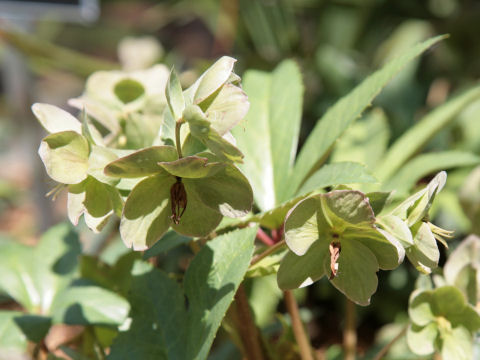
column 141, row 163
column 65, row 156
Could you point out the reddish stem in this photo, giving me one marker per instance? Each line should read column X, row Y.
column 263, row 237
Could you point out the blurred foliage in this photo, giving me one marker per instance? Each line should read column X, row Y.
column 336, row 45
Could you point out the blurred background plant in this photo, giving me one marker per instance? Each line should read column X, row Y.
column 336, row 43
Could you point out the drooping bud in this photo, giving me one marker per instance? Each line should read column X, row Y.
column 178, row 199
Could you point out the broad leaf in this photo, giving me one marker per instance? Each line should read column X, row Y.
column 54, row 119
column 35, row 276
column 365, row 141
column 65, row 156
column 13, row 342
column 345, row 111
column 270, row 135
column 87, row 305
column 162, row 326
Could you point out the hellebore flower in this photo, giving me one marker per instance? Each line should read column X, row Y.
column 442, row 321
column 72, row 158
column 190, row 194
column 334, row 234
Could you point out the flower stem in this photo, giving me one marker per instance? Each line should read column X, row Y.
column 387, row 347
column 350, row 332
column 178, row 125
column 267, row 252
column 246, row 327
column 263, row 237
column 297, row 326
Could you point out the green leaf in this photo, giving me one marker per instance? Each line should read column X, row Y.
column 128, row 90
column 146, row 215
column 169, row 241
column 65, row 156
column 54, row 119
column 89, row 305
column 345, row 111
column 174, row 95
column 13, row 342
column 227, row 109
column 421, row 339
column 141, row 163
column 34, row 327
column 336, row 174
column 365, row 141
column 270, row 135
column 418, row 135
column 192, row 167
column 34, row 276
column 227, row 191
column 425, row 164
column 162, row 327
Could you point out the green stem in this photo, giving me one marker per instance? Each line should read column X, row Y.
column 297, row 326
column 387, row 347
column 350, row 332
column 178, row 125
column 267, row 252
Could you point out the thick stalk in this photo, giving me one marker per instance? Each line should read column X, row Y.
column 387, row 347
column 246, row 327
column 297, row 326
column 178, row 125
column 350, row 331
